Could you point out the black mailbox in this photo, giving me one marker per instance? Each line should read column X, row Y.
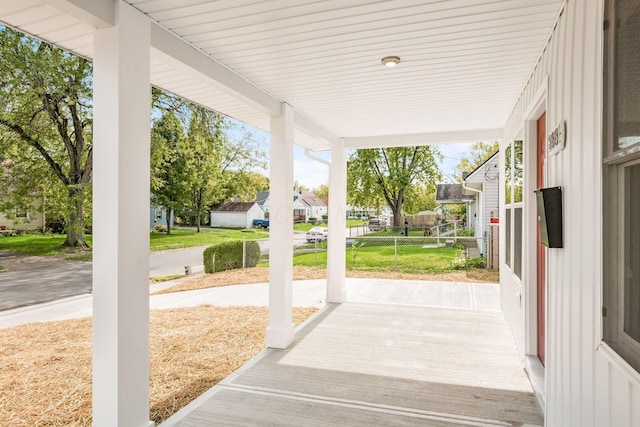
column 549, row 201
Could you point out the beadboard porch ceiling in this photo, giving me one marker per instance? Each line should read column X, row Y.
column 463, row 62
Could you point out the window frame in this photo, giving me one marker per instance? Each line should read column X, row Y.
column 616, row 162
column 511, row 205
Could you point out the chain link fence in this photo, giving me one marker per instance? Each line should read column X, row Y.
column 392, row 250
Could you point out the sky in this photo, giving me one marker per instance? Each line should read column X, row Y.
column 312, row 174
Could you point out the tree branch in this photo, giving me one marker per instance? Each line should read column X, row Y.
column 29, row 140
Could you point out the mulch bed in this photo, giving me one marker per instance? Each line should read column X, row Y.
column 46, row 367
column 261, row 275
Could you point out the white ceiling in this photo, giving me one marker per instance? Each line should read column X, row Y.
column 464, row 62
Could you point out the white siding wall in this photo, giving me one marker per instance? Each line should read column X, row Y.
column 229, row 219
column 490, row 192
column 583, row 387
column 35, row 220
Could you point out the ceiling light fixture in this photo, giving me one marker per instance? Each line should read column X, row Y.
column 391, row 61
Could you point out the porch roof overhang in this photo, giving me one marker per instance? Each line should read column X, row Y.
column 463, row 62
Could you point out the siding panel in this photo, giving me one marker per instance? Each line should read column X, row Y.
column 583, row 388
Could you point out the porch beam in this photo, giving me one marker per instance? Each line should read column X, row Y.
column 336, row 257
column 122, row 100
column 415, row 139
column 281, row 330
column 98, row 13
column 316, row 131
column 177, row 52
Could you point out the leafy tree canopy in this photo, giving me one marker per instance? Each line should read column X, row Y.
column 46, row 123
column 480, row 151
column 322, row 192
column 392, row 176
column 212, row 161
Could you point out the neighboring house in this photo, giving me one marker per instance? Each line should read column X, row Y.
column 483, row 184
column 305, row 205
column 262, row 199
column 158, row 216
column 21, row 220
column 359, row 212
column 315, row 207
column 453, row 194
column 236, row 214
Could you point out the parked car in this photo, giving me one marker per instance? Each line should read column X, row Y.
column 317, row 234
column 261, row 223
column 376, row 224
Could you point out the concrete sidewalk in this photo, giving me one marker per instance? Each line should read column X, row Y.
column 306, row 293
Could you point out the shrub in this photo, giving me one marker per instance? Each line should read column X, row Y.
column 312, row 219
column 325, row 217
column 160, row 228
column 458, row 245
column 228, row 256
column 460, row 264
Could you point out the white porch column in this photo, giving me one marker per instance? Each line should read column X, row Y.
column 121, row 221
column 336, row 268
column 280, row 330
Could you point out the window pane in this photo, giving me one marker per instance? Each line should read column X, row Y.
column 517, row 242
column 632, row 252
column 507, row 227
column 507, row 175
column 627, row 64
column 517, row 171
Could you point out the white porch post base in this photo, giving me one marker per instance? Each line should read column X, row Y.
column 122, row 99
column 336, row 258
column 280, row 338
column 280, row 331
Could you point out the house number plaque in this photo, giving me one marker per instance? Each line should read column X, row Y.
column 557, row 138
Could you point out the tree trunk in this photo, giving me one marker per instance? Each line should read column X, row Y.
column 169, row 220
column 198, row 212
column 396, row 209
column 75, row 224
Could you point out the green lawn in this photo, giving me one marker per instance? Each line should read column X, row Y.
column 36, row 244
column 179, row 238
column 409, row 258
column 305, row 226
column 185, row 238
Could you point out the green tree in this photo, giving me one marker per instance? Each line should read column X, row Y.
column 245, row 185
column 203, row 163
column 390, row 175
column 240, row 156
column 168, row 165
column 480, row 151
column 421, row 197
column 322, row 192
column 45, row 108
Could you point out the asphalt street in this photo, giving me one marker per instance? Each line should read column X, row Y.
column 28, row 280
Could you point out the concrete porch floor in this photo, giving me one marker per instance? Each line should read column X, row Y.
column 372, row 364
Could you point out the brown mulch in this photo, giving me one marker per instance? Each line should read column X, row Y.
column 46, row 367
column 261, row 275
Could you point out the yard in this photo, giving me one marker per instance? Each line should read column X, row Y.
column 49, row 244
column 411, row 259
